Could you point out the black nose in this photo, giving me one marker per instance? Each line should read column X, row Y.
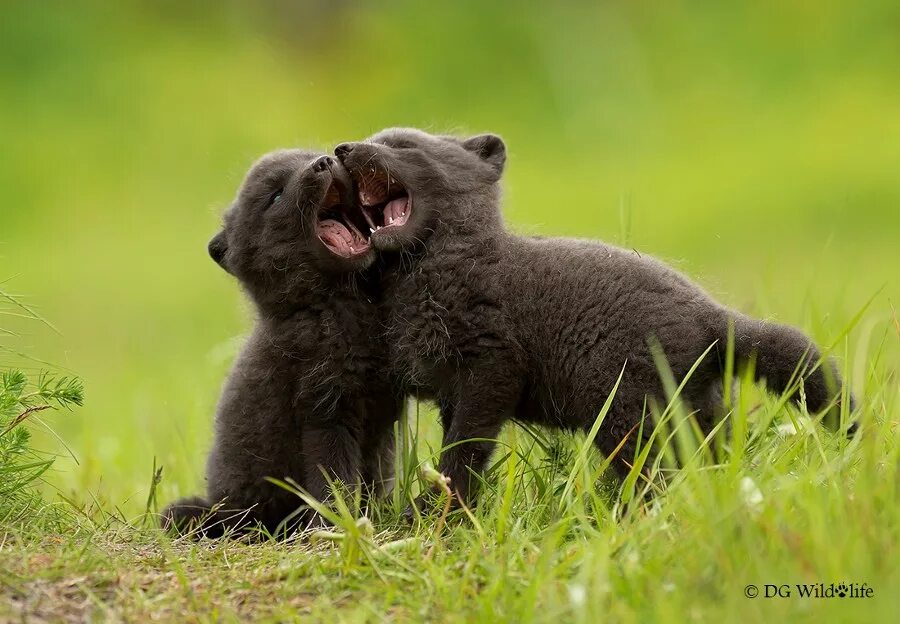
column 217, row 248
column 343, row 150
column 322, row 163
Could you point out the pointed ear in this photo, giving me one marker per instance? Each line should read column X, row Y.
column 490, row 148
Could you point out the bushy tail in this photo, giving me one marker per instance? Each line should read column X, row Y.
column 782, row 356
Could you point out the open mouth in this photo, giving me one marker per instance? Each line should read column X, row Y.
column 383, row 201
column 384, row 204
column 340, row 227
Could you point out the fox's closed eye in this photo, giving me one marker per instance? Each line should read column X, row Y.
column 274, row 197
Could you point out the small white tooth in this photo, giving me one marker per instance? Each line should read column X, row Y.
column 371, row 230
column 391, row 220
column 402, row 214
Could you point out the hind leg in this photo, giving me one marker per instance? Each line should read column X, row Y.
column 623, row 436
column 238, row 473
column 708, row 405
column 195, row 516
column 633, row 423
column 257, row 439
column 239, row 494
column 712, row 415
column 186, row 516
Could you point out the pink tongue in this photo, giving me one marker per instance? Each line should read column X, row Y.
column 336, row 235
column 394, row 209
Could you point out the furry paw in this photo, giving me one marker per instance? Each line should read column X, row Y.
column 186, row 516
column 412, row 511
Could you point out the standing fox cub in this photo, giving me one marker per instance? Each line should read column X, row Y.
column 496, row 326
column 309, row 391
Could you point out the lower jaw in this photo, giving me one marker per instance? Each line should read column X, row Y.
column 358, row 254
column 386, row 241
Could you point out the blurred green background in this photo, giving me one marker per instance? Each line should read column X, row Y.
column 755, row 146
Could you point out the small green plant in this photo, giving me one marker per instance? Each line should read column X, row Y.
column 21, row 399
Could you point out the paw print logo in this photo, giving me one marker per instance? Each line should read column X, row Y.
column 842, row 590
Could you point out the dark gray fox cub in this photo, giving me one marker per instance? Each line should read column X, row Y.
column 310, row 388
column 496, row 326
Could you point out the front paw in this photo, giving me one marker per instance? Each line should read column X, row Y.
column 417, row 508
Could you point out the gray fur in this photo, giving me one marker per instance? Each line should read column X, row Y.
column 496, row 326
column 310, row 386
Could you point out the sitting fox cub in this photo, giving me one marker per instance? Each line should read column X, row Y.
column 309, row 391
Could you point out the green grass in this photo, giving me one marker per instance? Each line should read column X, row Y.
column 755, row 146
column 787, row 502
